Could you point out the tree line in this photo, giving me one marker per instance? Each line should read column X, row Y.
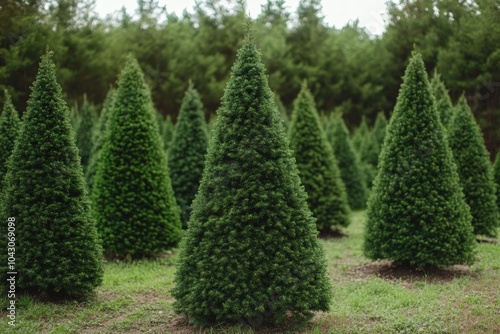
column 348, row 69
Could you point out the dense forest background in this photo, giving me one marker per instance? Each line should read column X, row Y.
column 348, row 69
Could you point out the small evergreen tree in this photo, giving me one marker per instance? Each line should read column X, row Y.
column 349, row 164
column 132, row 195
column 496, row 175
column 167, row 132
column 57, row 248
column 9, row 129
column 317, row 165
column 417, row 213
column 98, row 139
column 251, row 253
column 360, row 134
column 85, row 131
column 475, row 171
column 443, row 101
column 370, row 149
column 379, row 130
column 74, row 117
column 186, row 157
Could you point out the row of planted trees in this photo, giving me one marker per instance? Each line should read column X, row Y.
column 250, row 251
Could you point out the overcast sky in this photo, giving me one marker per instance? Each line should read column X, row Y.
column 337, row 12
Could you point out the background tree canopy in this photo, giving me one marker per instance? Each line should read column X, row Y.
column 347, row 69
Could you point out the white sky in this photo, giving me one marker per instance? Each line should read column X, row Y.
column 336, row 12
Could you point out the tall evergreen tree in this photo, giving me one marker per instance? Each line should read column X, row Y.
column 475, row 171
column 186, row 156
column 57, row 253
column 317, row 165
column 349, row 164
column 9, row 129
column 496, row 175
column 251, row 252
column 132, row 196
column 443, row 101
column 417, row 213
column 85, row 132
column 98, row 139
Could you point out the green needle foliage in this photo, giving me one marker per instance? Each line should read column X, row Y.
column 475, row 171
column 349, row 165
column 251, row 253
column 417, row 214
column 9, row 129
column 98, row 140
column 58, row 254
column 186, row 157
column 443, row 101
column 317, row 165
column 496, row 175
column 85, row 132
column 133, row 199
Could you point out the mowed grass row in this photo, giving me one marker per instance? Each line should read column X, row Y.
column 369, row 297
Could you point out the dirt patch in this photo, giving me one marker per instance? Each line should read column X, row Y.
column 180, row 325
column 388, row 271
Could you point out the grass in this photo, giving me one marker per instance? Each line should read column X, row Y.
column 369, row 297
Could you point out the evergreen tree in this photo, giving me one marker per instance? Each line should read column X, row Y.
column 282, row 110
column 443, row 101
column 9, row 129
column 58, row 253
column 167, row 132
column 349, row 164
column 251, row 253
column 74, row 117
column 496, row 175
column 98, row 139
column 85, row 131
column 186, row 157
column 379, row 130
column 317, row 165
column 132, row 195
column 417, row 213
column 370, row 149
column 475, row 171
column 359, row 135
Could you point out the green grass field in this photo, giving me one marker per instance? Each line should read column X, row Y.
column 369, row 297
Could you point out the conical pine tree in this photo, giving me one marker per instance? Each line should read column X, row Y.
column 85, row 132
column 57, row 249
column 9, row 129
column 475, row 171
column 379, row 130
column 251, row 253
column 317, row 165
column 133, row 200
column 417, row 213
column 496, row 175
column 98, row 139
column 359, row 135
column 167, row 132
column 443, row 101
column 186, row 156
column 349, row 165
